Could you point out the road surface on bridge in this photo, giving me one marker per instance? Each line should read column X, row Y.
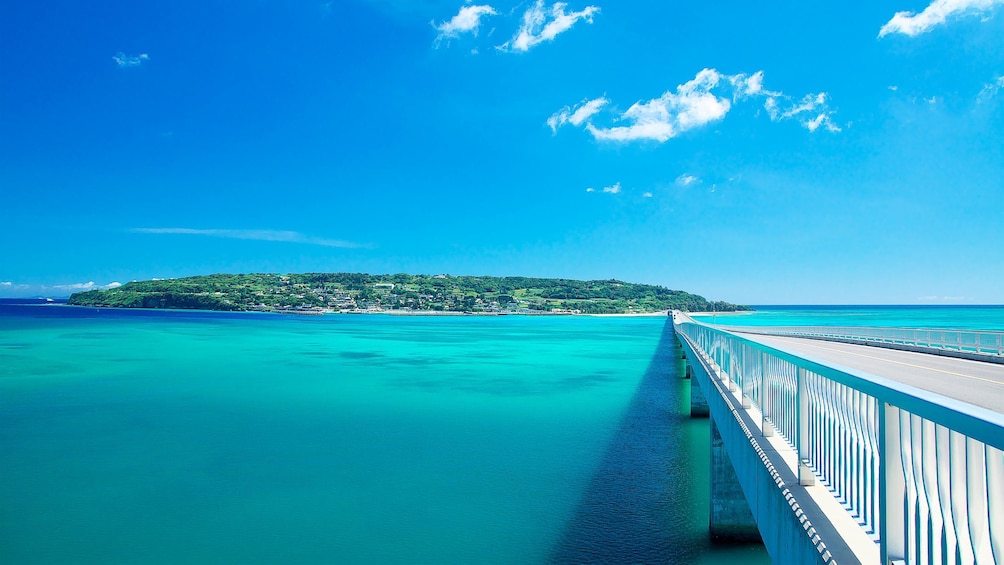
column 975, row 382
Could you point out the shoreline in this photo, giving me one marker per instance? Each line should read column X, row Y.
column 403, row 313
column 663, row 313
column 452, row 314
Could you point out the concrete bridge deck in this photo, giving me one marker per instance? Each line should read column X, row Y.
column 975, row 382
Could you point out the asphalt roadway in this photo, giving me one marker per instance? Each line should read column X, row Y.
column 975, row 382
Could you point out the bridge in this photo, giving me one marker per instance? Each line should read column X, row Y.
column 832, row 450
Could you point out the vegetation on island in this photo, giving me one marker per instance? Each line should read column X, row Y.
column 354, row 292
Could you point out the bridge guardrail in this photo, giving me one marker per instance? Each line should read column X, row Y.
column 982, row 343
column 921, row 473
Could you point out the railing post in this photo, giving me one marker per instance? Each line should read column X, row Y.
column 733, row 384
column 806, row 478
column 746, row 370
column 892, row 487
column 766, row 403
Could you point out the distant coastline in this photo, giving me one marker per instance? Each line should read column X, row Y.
column 392, row 313
column 400, row 294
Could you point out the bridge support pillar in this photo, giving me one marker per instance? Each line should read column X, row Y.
column 698, row 402
column 731, row 518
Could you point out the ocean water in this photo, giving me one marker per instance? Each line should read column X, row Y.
column 191, row 437
column 954, row 317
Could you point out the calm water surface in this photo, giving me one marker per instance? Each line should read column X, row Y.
column 955, row 317
column 169, row 437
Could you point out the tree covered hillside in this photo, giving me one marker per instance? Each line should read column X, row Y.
column 349, row 292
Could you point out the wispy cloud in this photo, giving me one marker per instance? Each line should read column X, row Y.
column 260, row 235
column 937, row 13
column 126, row 61
column 646, row 195
column 590, row 189
column 576, row 115
column 686, row 180
column 935, row 298
column 22, row 290
column 540, row 24
column 613, row 189
column 812, row 111
column 467, row 20
column 990, row 90
column 705, row 99
column 81, row 287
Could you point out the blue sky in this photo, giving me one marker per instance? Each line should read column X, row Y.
column 783, row 153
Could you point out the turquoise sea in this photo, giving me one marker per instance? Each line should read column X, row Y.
column 192, row 437
column 955, row 317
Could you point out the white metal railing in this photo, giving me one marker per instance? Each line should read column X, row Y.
column 964, row 341
column 921, row 473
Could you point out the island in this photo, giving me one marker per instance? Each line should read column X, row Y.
column 320, row 293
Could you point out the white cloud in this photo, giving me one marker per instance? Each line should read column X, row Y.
column 820, row 120
column 893, row 88
column 590, row 189
column 540, row 25
column 812, row 111
column 56, row 290
column 646, row 195
column 754, row 84
column 577, row 115
column 648, row 127
column 126, row 61
column 80, row 287
column 705, row 99
column 686, row 180
column 748, row 85
column 467, row 20
column 615, row 189
column 691, row 105
column 990, row 90
column 260, row 235
column 938, row 12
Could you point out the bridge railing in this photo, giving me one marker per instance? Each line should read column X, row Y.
column 921, row 473
column 963, row 341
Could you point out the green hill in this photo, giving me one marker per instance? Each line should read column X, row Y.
column 354, row 291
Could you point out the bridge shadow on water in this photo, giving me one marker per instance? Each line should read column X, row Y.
column 648, row 500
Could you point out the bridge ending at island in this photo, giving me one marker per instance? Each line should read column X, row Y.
column 846, row 453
